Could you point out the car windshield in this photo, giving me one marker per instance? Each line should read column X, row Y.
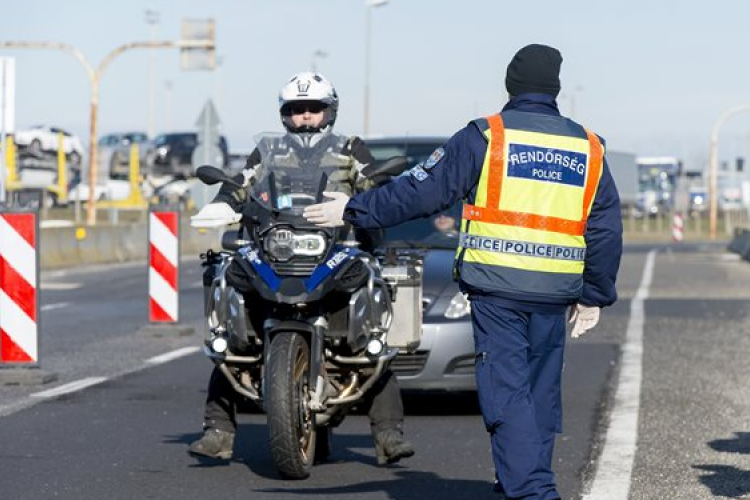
column 137, row 137
column 290, row 177
column 415, row 152
column 438, row 231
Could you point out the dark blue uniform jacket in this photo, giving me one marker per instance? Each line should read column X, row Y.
column 455, row 177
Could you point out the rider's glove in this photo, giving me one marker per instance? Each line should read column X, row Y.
column 584, row 318
column 329, row 213
column 215, row 215
column 248, row 174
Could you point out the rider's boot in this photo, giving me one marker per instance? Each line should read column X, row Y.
column 215, row 443
column 390, row 446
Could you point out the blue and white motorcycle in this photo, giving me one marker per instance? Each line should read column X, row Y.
column 298, row 316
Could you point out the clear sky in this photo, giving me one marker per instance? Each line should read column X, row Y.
column 650, row 76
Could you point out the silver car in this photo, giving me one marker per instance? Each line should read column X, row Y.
column 444, row 360
column 114, row 150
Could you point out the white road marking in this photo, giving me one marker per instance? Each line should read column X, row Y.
column 70, row 387
column 169, row 356
column 60, row 286
column 58, row 305
column 613, row 473
column 79, row 385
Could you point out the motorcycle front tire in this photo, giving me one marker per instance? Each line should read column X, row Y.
column 291, row 423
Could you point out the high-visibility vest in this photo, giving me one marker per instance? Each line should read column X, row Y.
column 524, row 233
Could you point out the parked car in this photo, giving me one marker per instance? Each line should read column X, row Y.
column 44, row 138
column 173, row 153
column 115, row 149
column 444, row 359
column 110, row 189
column 416, row 149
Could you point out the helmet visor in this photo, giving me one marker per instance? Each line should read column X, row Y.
column 302, row 107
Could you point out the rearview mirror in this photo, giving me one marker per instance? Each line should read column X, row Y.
column 382, row 170
column 212, row 175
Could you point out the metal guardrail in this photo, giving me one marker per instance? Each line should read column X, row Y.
column 695, row 225
column 72, row 245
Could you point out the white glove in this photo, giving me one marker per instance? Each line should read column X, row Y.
column 584, row 317
column 215, row 215
column 329, row 213
column 248, row 174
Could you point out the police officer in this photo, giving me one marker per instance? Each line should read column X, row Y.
column 308, row 104
column 541, row 233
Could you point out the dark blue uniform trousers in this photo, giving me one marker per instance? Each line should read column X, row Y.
column 519, row 358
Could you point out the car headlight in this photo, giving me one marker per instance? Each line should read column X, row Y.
column 458, row 308
column 283, row 244
column 162, row 151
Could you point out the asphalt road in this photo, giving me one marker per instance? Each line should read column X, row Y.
column 127, row 437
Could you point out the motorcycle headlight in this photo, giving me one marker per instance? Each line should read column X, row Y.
column 458, row 308
column 283, row 244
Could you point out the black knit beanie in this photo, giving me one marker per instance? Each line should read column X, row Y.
column 534, row 68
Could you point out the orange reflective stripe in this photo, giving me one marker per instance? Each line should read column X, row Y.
column 492, row 213
column 497, row 160
column 525, row 220
column 596, row 156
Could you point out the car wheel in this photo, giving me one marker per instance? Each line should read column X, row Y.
column 174, row 164
column 50, row 200
column 75, row 159
column 35, row 147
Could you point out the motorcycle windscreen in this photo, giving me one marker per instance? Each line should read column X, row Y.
column 293, row 174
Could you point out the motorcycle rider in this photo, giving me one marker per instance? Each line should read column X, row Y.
column 308, row 105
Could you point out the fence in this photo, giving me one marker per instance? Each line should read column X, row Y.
column 696, row 225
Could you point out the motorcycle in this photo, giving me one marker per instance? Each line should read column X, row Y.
column 298, row 316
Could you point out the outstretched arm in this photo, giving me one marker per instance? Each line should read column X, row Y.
column 427, row 189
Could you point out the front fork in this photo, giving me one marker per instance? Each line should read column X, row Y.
column 317, row 380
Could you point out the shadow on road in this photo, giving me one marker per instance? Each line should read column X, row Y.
column 251, row 449
column 740, row 443
column 727, row 480
column 409, row 485
column 435, row 403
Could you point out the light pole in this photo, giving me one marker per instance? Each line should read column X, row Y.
column 713, row 194
column 366, row 114
column 152, row 19
column 318, row 54
column 95, row 75
column 577, row 88
column 217, row 79
column 168, row 85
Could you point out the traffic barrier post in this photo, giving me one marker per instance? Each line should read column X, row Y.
column 19, row 299
column 164, row 272
column 678, row 227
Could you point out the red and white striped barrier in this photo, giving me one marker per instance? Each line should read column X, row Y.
column 677, row 227
column 19, row 303
column 164, row 258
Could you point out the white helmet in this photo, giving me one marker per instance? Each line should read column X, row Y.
column 308, row 86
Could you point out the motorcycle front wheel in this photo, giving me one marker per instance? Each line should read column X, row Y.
column 291, row 425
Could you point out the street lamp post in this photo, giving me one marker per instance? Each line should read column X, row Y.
column 577, row 88
column 94, row 75
column 318, row 54
column 713, row 194
column 168, row 85
column 217, row 79
column 366, row 114
column 152, row 19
